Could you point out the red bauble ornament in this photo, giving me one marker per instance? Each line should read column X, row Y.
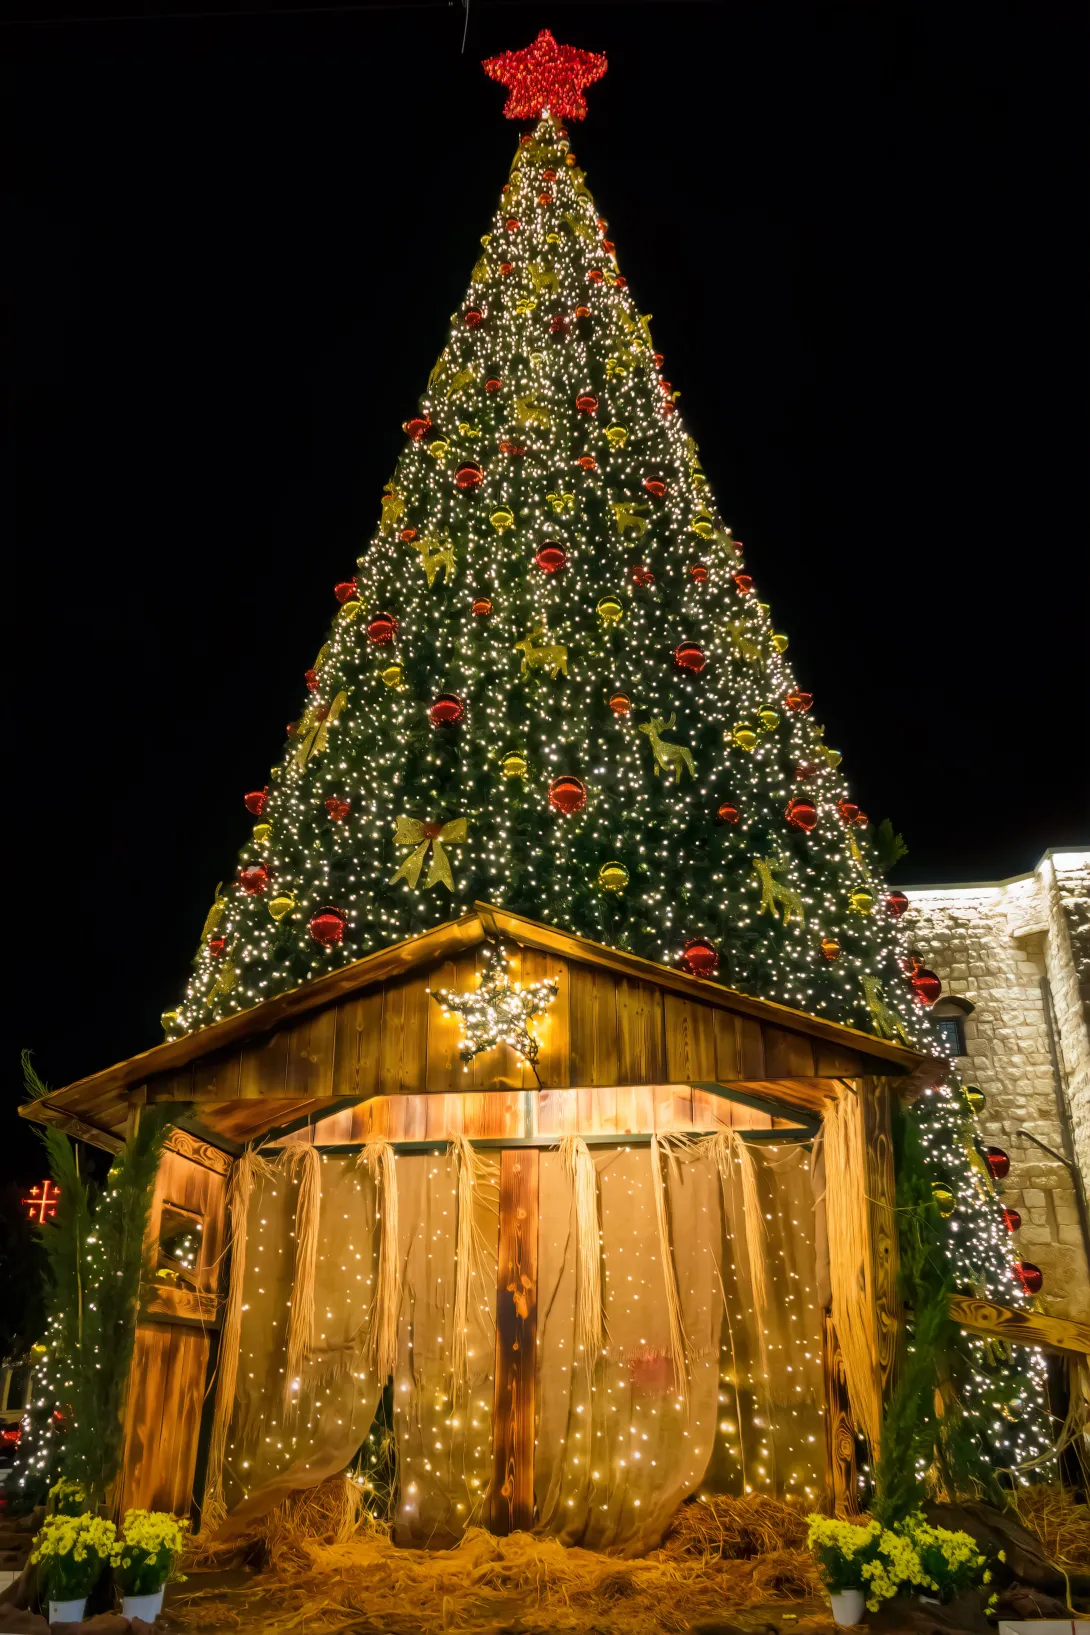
column 742, row 583
column 582, row 312
column 407, row 535
column 1030, row 1276
column 558, row 324
column 688, row 656
column 493, row 384
column 481, row 608
column 382, row 630
column 311, row 679
column 698, row 573
column 327, row 927
column 607, row 243
column 848, row 810
column 545, row 197
column 588, row 462
column 447, row 710
column 658, row 359
column 699, row 958
column 800, row 814
column 216, row 946
column 654, row 486
column 596, row 275
column 568, row 795
column 514, row 449
column 418, row 427
column 726, row 813
column 255, row 801
column 551, row 557
column 506, row 269
column 345, row 591
column 473, row 317
column 512, row 224
column 862, row 820
column 926, row 985
column 586, row 403
column 808, row 769
column 896, row 904
column 546, row 75
column 548, row 175
column 830, row 949
column 620, row 703
column 254, row 879
column 998, row 1163
column 1012, row 1220
column 620, row 282
column 799, row 701
column 467, row 477
column 643, row 576
column 337, row 808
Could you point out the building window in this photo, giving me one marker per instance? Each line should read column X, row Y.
column 951, row 1030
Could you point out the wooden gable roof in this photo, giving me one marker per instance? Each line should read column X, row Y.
column 370, row 1029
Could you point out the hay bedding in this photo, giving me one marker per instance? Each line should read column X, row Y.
column 329, row 1567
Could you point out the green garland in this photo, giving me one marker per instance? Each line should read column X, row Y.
column 920, row 1443
column 94, row 1257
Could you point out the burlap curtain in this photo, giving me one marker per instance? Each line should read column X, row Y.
column 618, row 1445
column 271, row 1451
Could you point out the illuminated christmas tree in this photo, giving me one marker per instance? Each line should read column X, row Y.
column 552, row 683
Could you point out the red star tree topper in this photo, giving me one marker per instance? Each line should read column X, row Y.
column 546, row 75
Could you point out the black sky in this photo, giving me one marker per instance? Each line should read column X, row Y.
column 235, row 243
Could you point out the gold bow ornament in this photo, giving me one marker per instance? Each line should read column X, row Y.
column 411, row 832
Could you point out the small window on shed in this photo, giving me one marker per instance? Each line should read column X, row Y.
column 179, row 1245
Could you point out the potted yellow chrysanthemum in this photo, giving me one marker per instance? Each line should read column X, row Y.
column 70, row 1553
column 842, row 1549
column 144, row 1558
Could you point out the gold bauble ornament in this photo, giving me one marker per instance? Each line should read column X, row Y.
column 780, row 642
column 169, row 1019
column 613, row 876
column 525, row 306
column 466, row 430
column 393, row 675
column 438, row 448
column 616, row 436
column 262, row 831
column 768, row 718
column 514, row 765
column 945, row 1202
column 860, row 902
column 744, row 736
column 609, row 610
column 280, row 906
column 976, row 1098
column 349, row 610
column 502, row 519
column 703, row 525
column 552, row 238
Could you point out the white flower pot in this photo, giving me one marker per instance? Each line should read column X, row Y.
column 147, row 1607
column 67, row 1612
column 847, row 1606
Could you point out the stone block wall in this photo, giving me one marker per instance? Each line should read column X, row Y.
column 1019, row 952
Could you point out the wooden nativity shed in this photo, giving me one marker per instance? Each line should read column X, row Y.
column 587, row 1292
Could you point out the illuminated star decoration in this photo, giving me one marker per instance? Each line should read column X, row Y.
column 498, row 1011
column 546, row 75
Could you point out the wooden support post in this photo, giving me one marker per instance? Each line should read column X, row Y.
column 516, row 1343
column 843, row 1471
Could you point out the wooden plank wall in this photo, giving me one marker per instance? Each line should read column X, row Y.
column 516, row 1114
column 174, row 1335
column 603, row 1030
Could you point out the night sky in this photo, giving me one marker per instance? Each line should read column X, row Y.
column 235, row 243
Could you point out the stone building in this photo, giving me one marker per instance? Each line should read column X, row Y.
column 1014, row 958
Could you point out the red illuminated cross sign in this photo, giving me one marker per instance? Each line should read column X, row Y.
column 41, row 1205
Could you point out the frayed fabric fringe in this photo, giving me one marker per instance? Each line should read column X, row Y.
column 849, row 1258
column 302, row 1160
column 589, row 1327
column 678, row 1343
column 377, row 1158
